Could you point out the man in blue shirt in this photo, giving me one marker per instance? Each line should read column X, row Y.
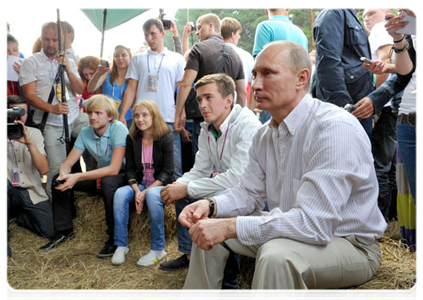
column 105, row 140
column 278, row 28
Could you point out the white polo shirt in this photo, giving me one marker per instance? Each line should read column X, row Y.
column 43, row 70
column 247, row 62
column 169, row 67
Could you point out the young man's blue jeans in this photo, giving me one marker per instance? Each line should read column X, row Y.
column 406, row 135
column 124, row 198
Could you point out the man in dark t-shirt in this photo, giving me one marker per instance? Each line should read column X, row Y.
column 203, row 59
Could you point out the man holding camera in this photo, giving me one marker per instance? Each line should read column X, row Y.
column 26, row 162
column 38, row 80
column 105, row 140
column 155, row 75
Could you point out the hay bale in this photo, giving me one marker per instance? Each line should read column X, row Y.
column 74, row 264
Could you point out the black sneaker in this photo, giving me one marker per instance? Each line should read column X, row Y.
column 176, row 264
column 108, row 250
column 56, row 242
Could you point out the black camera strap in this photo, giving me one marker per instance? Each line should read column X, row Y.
column 45, row 115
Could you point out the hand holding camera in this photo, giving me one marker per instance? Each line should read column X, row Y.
column 189, row 28
column 25, row 138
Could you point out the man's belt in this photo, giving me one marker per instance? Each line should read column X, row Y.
column 409, row 119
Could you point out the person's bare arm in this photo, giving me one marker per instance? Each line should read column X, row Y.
column 128, row 99
column 30, row 94
column 76, row 82
column 383, row 55
column 98, row 79
column 241, row 92
column 181, row 97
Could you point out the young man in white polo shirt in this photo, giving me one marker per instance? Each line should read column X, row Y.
column 154, row 75
column 105, row 140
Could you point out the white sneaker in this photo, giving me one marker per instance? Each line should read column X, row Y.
column 119, row 255
column 151, row 258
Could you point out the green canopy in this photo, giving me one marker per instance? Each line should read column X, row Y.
column 115, row 17
column 105, row 19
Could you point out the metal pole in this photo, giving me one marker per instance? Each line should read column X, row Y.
column 103, row 29
column 63, row 84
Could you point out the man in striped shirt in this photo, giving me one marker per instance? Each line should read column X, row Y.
column 313, row 163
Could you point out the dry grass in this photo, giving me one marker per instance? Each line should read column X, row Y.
column 74, row 265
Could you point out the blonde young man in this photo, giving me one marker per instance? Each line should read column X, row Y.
column 105, row 140
column 323, row 225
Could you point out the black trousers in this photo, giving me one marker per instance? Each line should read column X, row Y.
column 384, row 145
column 35, row 217
column 63, row 202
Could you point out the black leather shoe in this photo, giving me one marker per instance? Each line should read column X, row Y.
column 56, row 242
column 108, row 250
column 176, row 264
column 237, row 297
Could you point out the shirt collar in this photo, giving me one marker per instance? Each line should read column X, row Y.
column 296, row 118
column 106, row 134
column 151, row 52
column 225, row 123
column 215, row 36
column 45, row 57
column 280, row 18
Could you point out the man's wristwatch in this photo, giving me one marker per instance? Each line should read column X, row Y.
column 211, row 207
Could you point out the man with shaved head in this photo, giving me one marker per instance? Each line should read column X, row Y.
column 313, row 164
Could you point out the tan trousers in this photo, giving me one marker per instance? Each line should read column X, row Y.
column 288, row 264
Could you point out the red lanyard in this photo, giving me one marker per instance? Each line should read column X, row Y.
column 14, row 154
column 160, row 65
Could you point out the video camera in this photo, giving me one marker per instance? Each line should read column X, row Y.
column 14, row 131
column 166, row 23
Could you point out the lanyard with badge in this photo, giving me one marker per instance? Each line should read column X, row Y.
column 118, row 103
column 98, row 182
column 113, row 91
column 153, row 80
column 218, row 169
column 148, row 167
column 15, row 176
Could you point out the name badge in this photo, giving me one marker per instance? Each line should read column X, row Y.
column 152, row 83
column 215, row 173
column 15, row 176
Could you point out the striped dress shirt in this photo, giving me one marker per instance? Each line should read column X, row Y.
column 316, row 171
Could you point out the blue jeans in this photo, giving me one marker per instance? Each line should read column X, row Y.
column 124, row 197
column 406, row 135
column 177, row 156
column 367, row 125
column 196, row 129
column 264, row 117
